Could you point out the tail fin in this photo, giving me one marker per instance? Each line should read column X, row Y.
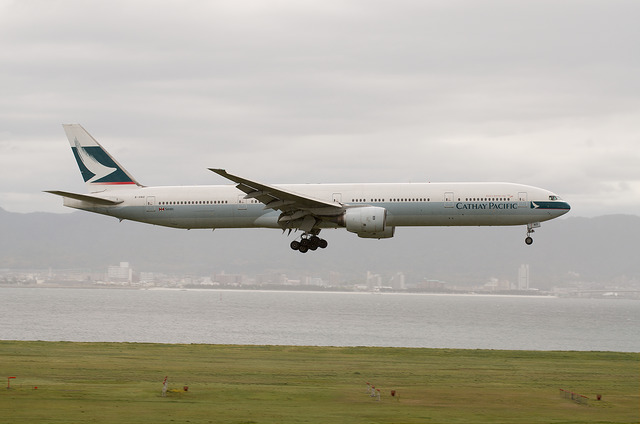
column 99, row 169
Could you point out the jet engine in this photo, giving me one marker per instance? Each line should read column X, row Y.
column 367, row 222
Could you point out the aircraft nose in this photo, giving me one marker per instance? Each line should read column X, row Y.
column 563, row 207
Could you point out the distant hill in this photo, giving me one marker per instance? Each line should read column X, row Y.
column 601, row 249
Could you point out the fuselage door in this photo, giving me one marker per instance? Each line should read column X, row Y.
column 448, row 199
column 151, row 203
column 337, row 197
column 522, row 199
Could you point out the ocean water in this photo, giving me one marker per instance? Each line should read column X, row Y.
column 319, row 319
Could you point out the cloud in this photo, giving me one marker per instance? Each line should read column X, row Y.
column 537, row 92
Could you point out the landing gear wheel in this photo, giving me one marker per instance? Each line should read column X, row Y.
column 530, row 229
column 309, row 241
column 314, row 242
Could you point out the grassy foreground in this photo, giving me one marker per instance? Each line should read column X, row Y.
column 122, row 382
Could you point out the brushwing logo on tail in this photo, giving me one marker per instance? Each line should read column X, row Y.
column 92, row 165
column 97, row 167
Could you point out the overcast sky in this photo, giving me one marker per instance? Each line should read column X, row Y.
column 545, row 93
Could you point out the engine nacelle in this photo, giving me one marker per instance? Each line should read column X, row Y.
column 367, row 222
column 386, row 233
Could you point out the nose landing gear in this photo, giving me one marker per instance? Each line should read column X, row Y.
column 530, row 229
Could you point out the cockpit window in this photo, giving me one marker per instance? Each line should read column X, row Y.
column 553, row 197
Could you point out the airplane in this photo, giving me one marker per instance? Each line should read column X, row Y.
column 369, row 210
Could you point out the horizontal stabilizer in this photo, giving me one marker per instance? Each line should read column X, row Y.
column 86, row 198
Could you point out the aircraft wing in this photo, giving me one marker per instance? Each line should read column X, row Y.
column 298, row 210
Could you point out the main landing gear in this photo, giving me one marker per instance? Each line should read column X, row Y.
column 529, row 240
column 308, row 242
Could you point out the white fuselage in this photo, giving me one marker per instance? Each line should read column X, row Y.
column 368, row 210
column 410, row 204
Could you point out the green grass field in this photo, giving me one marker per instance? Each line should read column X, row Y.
column 122, row 382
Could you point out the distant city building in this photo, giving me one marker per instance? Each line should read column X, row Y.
column 430, row 285
column 495, row 284
column 523, row 277
column 313, row 281
column 122, row 273
column 373, row 280
column 147, row 278
column 228, row 279
column 397, row 282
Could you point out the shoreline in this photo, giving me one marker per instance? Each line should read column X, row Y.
column 511, row 293
column 284, row 346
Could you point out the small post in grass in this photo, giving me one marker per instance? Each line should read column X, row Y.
column 9, row 382
column 164, row 387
